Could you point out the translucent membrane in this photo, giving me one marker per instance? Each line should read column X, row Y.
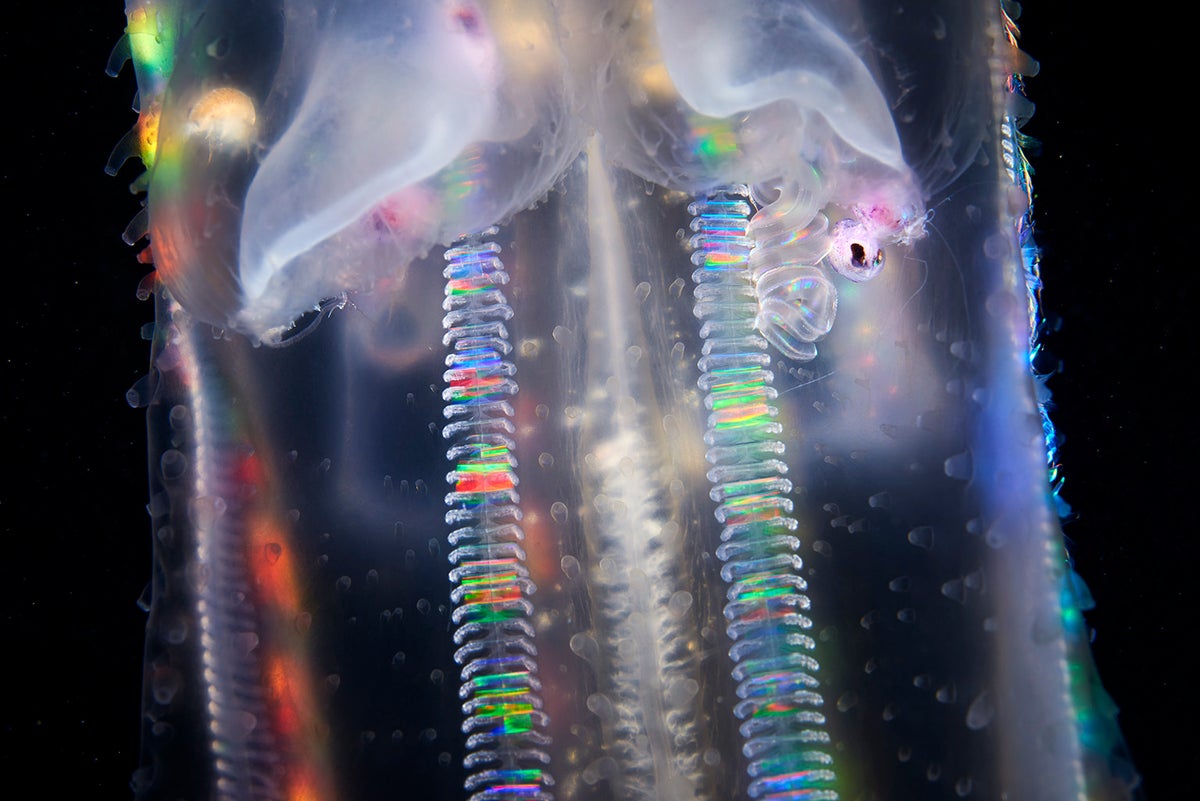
column 575, row 400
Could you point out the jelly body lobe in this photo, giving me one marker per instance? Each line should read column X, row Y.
column 580, row 490
column 378, row 132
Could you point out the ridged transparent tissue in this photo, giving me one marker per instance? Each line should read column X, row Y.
column 600, row 399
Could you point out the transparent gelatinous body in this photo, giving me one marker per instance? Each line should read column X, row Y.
column 579, row 400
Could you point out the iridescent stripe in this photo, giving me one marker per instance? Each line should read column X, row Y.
column 501, row 705
column 775, row 670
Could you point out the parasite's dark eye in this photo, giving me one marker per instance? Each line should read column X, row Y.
column 860, row 260
column 854, row 253
column 858, row 256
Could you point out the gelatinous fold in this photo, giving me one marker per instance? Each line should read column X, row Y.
column 653, row 416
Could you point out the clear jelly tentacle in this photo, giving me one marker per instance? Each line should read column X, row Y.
column 229, row 623
column 501, row 695
column 797, row 302
column 783, row 729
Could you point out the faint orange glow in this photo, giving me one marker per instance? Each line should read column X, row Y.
column 303, row 785
column 281, row 697
column 271, row 562
column 286, row 669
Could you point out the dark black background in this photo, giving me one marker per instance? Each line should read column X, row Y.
column 1113, row 207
